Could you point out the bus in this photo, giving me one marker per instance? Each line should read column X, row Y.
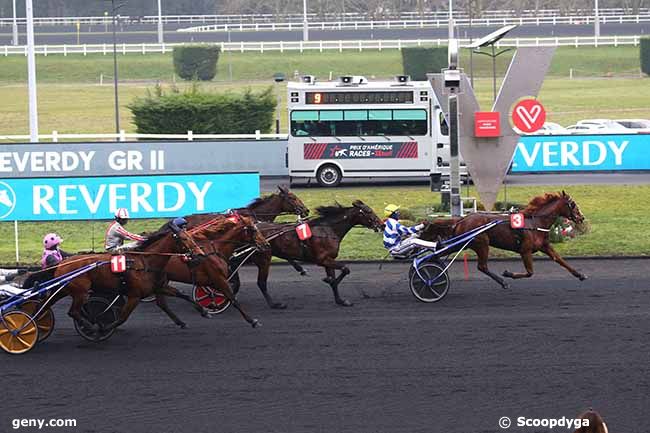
column 353, row 127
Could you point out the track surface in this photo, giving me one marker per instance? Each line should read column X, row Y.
column 549, row 347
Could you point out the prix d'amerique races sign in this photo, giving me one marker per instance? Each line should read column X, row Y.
column 87, row 198
column 407, row 149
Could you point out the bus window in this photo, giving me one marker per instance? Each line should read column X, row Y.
column 354, row 123
column 409, row 115
column 355, row 114
column 380, row 115
column 331, row 115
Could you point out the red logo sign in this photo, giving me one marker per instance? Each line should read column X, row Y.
column 487, row 124
column 528, row 115
column 118, row 264
column 517, row 221
column 303, row 231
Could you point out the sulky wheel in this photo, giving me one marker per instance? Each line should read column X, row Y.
column 97, row 311
column 431, row 284
column 45, row 321
column 212, row 300
column 18, row 332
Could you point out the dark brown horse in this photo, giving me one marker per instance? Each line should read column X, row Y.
column 144, row 275
column 540, row 214
column 328, row 230
column 218, row 238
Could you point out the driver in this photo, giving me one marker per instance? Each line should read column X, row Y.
column 116, row 234
column 399, row 239
column 7, row 276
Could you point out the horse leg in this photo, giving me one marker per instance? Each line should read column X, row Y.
column 334, row 282
column 172, row 291
column 297, row 267
column 263, row 268
column 234, row 280
column 220, row 283
column 550, row 251
column 527, row 258
column 161, row 302
column 125, row 313
column 75, row 311
column 482, row 251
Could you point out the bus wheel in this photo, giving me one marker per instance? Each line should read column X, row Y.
column 329, row 175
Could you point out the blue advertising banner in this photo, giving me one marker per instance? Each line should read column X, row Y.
column 542, row 153
column 87, row 198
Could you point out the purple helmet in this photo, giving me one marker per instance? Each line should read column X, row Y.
column 51, row 240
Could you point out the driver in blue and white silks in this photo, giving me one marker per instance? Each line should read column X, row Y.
column 6, row 277
column 399, row 239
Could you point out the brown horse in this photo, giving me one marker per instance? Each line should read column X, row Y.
column 144, row 275
column 596, row 423
column 328, row 230
column 540, row 214
column 218, row 238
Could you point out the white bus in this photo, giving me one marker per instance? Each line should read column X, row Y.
column 356, row 128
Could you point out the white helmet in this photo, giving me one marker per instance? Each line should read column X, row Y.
column 122, row 214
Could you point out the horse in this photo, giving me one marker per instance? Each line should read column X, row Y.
column 143, row 277
column 540, row 214
column 322, row 248
column 596, row 423
column 219, row 241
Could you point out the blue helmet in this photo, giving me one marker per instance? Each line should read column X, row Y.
column 179, row 223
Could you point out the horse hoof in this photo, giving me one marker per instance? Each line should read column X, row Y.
column 506, row 286
column 344, row 303
column 328, row 280
column 279, row 306
column 303, row 273
column 507, row 274
column 205, row 313
column 582, row 277
column 182, row 325
column 256, row 323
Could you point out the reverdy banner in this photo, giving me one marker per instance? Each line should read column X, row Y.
column 407, row 149
column 582, row 153
column 90, row 198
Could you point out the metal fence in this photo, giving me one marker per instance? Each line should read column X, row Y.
column 328, row 17
column 359, row 45
column 55, row 137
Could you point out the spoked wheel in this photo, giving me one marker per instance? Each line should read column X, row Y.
column 97, row 312
column 212, row 300
column 45, row 321
column 18, row 332
column 431, row 284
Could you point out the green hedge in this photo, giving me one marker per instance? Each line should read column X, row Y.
column 196, row 62
column 203, row 112
column 645, row 55
column 417, row 61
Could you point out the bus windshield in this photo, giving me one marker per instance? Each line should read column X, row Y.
column 354, row 123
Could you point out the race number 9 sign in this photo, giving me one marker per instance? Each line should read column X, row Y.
column 517, row 220
column 528, row 115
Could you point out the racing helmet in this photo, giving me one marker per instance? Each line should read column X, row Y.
column 51, row 240
column 122, row 214
column 390, row 209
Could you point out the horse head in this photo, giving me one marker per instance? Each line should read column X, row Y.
column 571, row 209
column 596, row 424
column 365, row 216
column 291, row 203
column 247, row 232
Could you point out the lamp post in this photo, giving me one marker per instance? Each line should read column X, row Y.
column 451, row 20
column 278, row 77
column 114, row 9
column 305, row 24
column 14, row 25
column 31, row 73
column 160, row 24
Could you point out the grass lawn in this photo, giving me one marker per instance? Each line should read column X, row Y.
column 88, row 108
column 618, row 228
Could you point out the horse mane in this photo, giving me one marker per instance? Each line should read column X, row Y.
column 260, row 201
column 154, row 236
column 540, row 201
column 219, row 226
column 331, row 211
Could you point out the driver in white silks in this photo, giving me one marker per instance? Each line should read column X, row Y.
column 116, row 234
column 6, row 277
column 399, row 239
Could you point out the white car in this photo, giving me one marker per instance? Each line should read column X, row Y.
column 639, row 125
column 603, row 124
column 551, row 128
column 586, row 129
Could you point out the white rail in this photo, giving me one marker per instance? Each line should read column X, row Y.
column 253, row 18
column 127, row 136
column 340, row 45
column 414, row 23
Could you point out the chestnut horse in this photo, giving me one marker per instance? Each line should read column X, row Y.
column 218, row 238
column 540, row 214
column 328, row 230
column 596, row 423
column 144, row 275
